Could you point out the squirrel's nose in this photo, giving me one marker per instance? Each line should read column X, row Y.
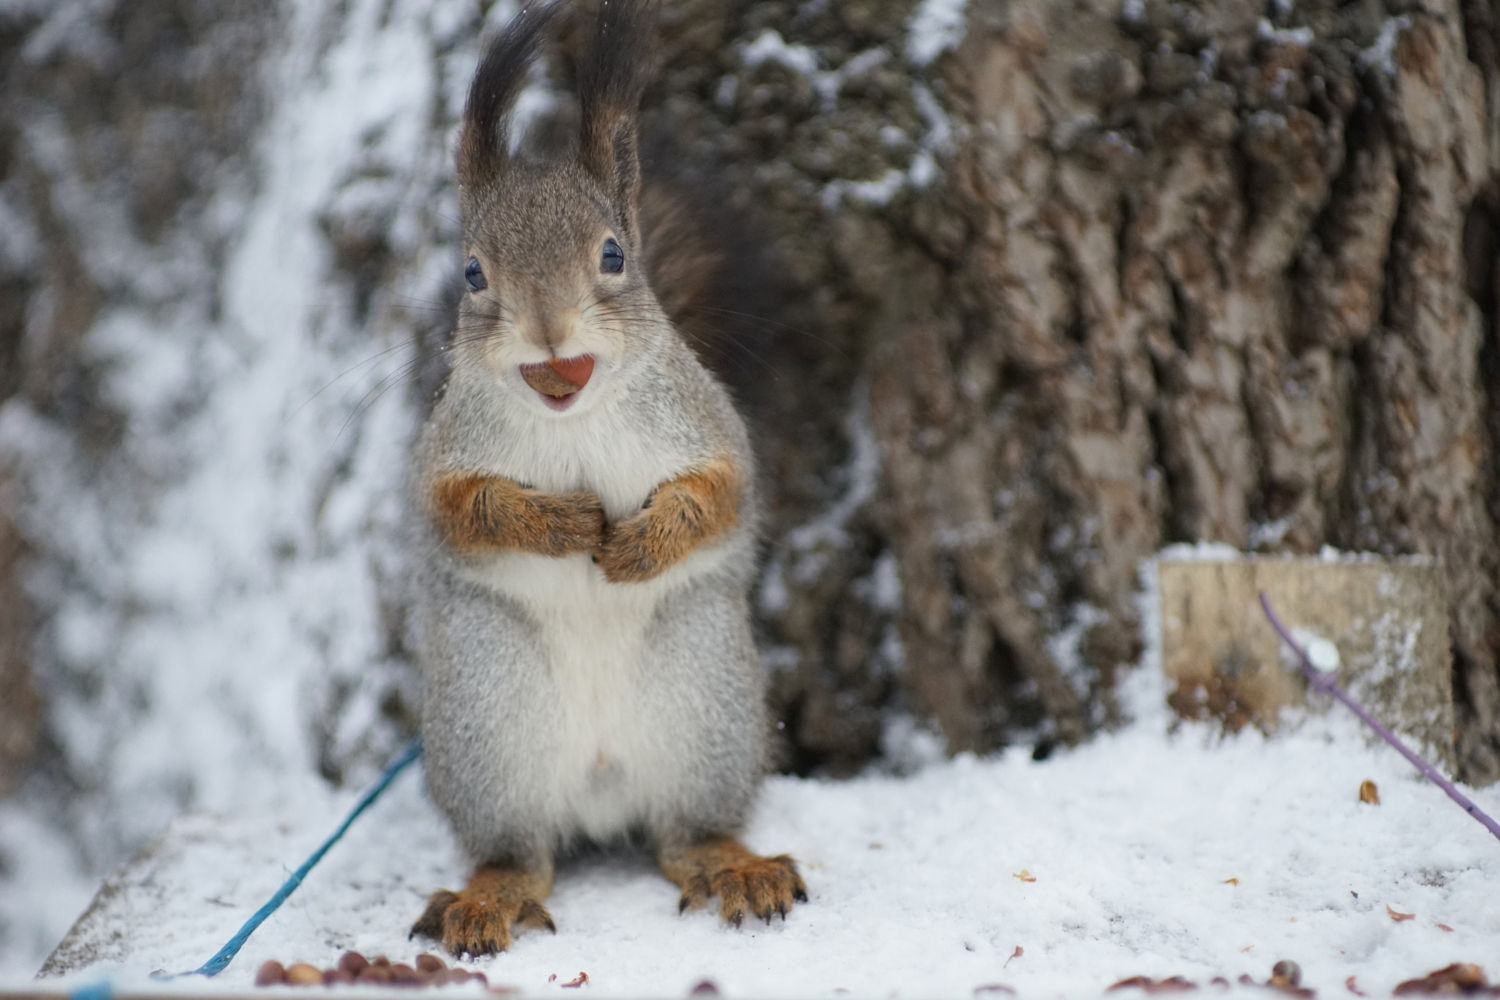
column 550, row 329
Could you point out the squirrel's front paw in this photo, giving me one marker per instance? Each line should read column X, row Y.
column 631, row 551
column 567, row 523
column 478, row 921
column 474, row 510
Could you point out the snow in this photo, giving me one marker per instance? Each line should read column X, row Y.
column 806, row 546
column 1322, row 654
column 1266, row 32
column 770, row 47
column 1382, row 54
column 935, row 27
column 1142, row 853
column 872, row 192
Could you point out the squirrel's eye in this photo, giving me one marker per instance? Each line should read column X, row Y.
column 474, row 275
column 612, row 259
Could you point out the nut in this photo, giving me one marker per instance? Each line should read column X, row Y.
column 270, row 973
column 303, row 974
column 1286, row 973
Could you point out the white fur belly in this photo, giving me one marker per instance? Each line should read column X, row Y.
column 610, row 752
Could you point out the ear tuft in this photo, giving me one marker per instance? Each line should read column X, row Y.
column 484, row 143
column 611, row 80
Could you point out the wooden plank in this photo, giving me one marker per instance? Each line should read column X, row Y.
column 1388, row 620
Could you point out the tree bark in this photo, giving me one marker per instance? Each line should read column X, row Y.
column 1187, row 273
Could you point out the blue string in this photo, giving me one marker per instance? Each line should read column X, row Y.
column 225, row 955
column 101, row 990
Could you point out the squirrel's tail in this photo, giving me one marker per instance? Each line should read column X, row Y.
column 712, row 275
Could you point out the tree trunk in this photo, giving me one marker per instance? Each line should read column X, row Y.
column 1184, row 273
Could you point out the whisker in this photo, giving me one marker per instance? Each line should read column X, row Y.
column 372, row 359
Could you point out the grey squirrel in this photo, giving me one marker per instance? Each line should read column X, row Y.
column 584, row 512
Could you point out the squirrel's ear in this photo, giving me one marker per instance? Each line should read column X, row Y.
column 610, row 84
column 484, row 142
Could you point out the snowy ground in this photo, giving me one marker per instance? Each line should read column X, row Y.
column 1142, row 853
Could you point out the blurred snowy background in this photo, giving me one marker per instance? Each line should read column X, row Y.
column 240, row 215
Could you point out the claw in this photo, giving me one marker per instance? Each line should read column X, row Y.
column 430, row 923
column 742, row 881
column 478, row 921
column 534, row 913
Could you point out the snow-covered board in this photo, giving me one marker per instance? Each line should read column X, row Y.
column 1144, row 853
column 1387, row 620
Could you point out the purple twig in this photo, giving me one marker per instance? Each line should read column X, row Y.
column 1327, row 681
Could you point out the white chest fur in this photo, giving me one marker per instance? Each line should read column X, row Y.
column 605, row 451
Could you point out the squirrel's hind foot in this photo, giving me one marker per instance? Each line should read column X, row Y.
column 744, row 882
column 477, row 921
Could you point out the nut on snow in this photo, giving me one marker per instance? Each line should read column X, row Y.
column 1286, row 973
column 303, row 974
column 270, row 973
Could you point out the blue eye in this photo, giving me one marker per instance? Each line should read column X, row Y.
column 612, row 259
column 474, row 275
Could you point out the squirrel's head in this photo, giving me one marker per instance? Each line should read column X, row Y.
column 556, row 303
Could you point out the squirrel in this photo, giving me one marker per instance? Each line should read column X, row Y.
column 584, row 511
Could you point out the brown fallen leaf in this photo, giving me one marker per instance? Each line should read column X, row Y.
column 1174, row 984
column 1353, row 987
column 1368, row 793
column 1460, row 977
column 1445, row 928
column 1231, row 880
column 579, row 980
column 1397, row 915
column 1014, row 955
column 1025, row 876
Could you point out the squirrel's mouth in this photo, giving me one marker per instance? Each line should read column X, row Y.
column 558, row 380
